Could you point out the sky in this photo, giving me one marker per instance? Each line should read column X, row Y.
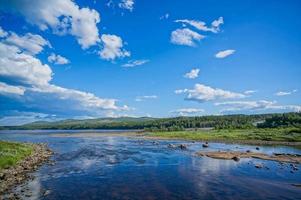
column 62, row 59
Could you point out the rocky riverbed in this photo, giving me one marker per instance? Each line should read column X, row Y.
column 19, row 173
column 236, row 155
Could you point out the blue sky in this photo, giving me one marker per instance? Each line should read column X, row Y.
column 109, row 58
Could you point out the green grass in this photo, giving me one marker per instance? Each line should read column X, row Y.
column 285, row 134
column 12, row 152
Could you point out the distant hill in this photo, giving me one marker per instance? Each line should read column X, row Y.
column 92, row 121
column 176, row 123
column 99, row 123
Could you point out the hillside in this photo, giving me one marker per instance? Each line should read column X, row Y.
column 172, row 124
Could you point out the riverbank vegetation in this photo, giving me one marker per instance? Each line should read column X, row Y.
column 17, row 161
column 12, row 152
column 264, row 127
column 255, row 134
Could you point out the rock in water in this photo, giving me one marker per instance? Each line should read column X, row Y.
column 205, row 145
column 236, row 158
column 258, row 166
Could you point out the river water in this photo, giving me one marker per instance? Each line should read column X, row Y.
column 104, row 166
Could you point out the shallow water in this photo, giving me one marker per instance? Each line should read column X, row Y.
column 121, row 167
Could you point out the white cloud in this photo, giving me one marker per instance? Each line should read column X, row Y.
column 225, row 53
column 2, row 33
column 142, row 98
column 127, row 4
column 31, row 79
column 22, row 67
column 31, row 43
column 112, row 47
column 216, row 24
column 200, row 25
column 285, row 93
column 185, row 37
column 180, row 91
column 166, row 16
column 10, row 90
column 187, row 111
column 84, row 100
column 134, row 63
column 194, row 73
column 16, row 118
column 256, row 105
column 249, row 92
column 62, row 16
column 57, row 59
column 202, row 93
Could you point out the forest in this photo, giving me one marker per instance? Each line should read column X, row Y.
column 274, row 120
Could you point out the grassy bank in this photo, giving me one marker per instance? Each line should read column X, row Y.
column 280, row 135
column 12, row 152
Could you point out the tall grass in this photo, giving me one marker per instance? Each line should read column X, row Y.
column 12, row 152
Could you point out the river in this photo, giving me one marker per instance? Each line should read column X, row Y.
column 104, row 166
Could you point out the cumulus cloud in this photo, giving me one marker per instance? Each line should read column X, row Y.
column 134, row 63
column 256, row 105
column 57, row 59
column 203, row 93
column 24, row 74
column 10, row 89
column 143, row 98
column 225, row 53
column 31, row 43
column 83, row 100
column 194, row 73
column 285, row 93
column 63, row 17
column 112, row 47
column 23, row 68
column 200, row 25
column 187, row 111
column 127, row 4
column 185, row 37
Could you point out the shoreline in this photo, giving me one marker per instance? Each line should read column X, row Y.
column 246, row 142
column 20, row 173
column 146, row 135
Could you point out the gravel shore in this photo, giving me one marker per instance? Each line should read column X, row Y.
column 18, row 174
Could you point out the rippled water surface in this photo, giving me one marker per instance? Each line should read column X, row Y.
column 121, row 167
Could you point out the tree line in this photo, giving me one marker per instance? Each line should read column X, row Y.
column 174, row 124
